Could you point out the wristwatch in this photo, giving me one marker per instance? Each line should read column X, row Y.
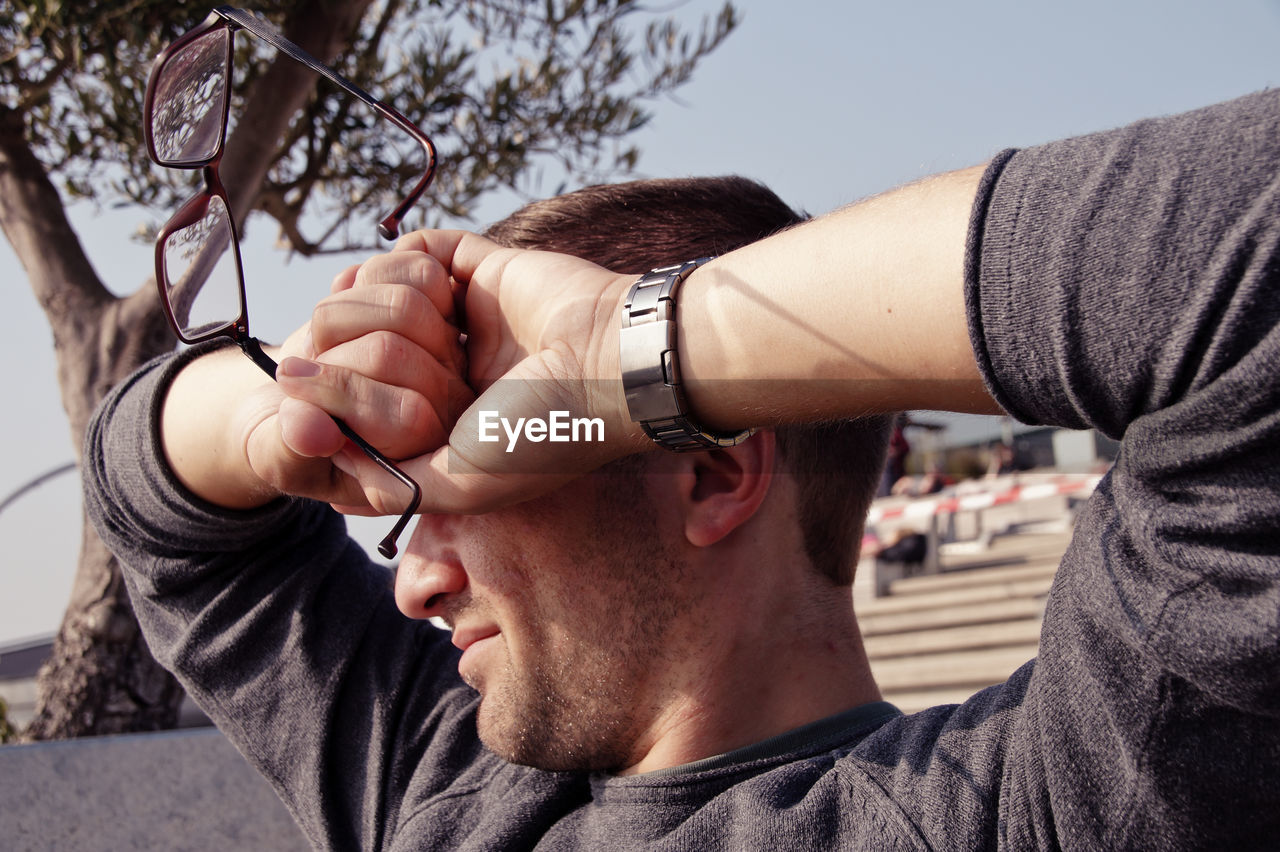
column 651, row 368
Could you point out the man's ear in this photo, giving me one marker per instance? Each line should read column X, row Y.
column 719, row 491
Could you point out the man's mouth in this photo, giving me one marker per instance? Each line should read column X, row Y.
column 476, row 643
column 465, row 637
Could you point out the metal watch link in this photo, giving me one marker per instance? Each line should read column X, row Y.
column 651, row 368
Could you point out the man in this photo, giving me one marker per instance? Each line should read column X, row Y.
column 661, row 610
column 1125, row 281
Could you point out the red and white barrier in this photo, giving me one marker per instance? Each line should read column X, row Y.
column 1003, row 491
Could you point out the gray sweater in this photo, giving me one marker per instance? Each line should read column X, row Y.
column 1127, row 281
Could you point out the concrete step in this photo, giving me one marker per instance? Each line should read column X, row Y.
column 968, row 578
column 995, row 591
column 987, row 612
column 971, row 670
column 1022, row 632
column 938, row 639
column 1040, row 549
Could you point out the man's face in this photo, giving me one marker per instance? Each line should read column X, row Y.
column 563, row 607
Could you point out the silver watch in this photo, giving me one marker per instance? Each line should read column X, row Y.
column 651, row 368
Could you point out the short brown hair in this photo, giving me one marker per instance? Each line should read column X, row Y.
column 641, row 225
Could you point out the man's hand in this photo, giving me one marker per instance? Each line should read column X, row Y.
column 542, row 336
column 382, row 353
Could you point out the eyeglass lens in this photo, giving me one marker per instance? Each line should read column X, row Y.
column 201, row 280
column 190, row 102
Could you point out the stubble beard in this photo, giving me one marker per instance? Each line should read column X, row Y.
column 588, row 706
column 562, row 717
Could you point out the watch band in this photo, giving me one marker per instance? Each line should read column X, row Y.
column 651, row 368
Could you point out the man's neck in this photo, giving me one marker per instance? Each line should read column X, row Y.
column 768, row 676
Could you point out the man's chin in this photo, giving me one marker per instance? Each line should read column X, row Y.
column 526, row 744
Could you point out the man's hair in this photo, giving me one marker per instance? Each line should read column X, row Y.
column 642, row 225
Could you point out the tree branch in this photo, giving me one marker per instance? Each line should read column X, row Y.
column 35, row 91
column 33, row 219
column 322, row 29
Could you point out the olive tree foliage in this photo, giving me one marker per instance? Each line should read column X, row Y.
column 507, row 90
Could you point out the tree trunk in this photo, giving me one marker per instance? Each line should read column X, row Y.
column 102, row 678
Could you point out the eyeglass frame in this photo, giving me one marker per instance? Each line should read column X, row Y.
column 194, row 210
column 233, row 19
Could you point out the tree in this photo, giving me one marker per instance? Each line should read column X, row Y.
column 502, row 86
column 7, row 733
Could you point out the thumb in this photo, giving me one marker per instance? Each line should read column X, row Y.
column 307, row 430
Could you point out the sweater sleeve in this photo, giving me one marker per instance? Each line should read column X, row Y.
column 283, row 631
column 1129, row 281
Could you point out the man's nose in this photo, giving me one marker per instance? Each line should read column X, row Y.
column 430, row 571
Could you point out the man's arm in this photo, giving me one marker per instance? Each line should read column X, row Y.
column 859, row 312
column 1128, row 281
column 276, row 622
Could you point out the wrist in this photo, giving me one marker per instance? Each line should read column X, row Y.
column 210, row 408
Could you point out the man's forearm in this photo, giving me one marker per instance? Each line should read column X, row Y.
column 858, row 311
column 207, row 413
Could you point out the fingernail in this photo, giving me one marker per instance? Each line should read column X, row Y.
column 299, row 368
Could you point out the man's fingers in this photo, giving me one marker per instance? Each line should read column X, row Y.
column 396, row 309
column 460, row 252
column 393, row 360
column 410, row 269
column 407, row 379
column 398, row 421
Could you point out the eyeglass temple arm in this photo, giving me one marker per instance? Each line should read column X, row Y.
column 388, row 228
column 387, row 547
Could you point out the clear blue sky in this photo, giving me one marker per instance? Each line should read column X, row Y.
column 826, row 102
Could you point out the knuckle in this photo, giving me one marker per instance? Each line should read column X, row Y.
column 416, row 268
column 404, row 304
column 341, row 380
column 370, row 272
column 426, row 277
column 384, row 349
column 417, row 419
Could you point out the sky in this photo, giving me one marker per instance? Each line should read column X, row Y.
column 826, row 102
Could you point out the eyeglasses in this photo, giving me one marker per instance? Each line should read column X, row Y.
column 185, row 123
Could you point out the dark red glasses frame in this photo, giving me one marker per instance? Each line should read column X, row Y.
column 197, row 208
